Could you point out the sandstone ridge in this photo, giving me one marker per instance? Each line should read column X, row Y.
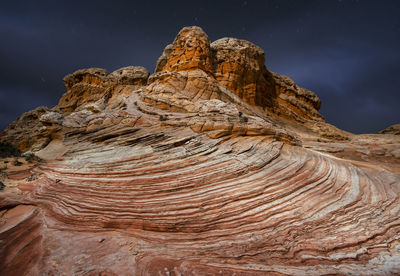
column 211, row 165
column 238, row 65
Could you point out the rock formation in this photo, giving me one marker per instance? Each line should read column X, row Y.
column 95, row 85
column 394, row 129
column 211, row 165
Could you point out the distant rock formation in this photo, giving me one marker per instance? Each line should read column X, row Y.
column 27, row 131
column 393, row 129
column 211, row 165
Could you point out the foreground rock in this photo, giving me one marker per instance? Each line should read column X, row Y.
column 211, row 165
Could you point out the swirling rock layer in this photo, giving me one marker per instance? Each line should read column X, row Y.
column 184, row 175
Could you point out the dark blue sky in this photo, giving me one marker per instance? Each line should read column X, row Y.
column 347, row 52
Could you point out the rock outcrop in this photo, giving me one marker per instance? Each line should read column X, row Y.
column 211, row 165
column 93, row 85
column 27, row 132
column 295, row 103
column 239, row 66
column 190, row 50
column 393, row 129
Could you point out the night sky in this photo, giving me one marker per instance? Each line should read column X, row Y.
column 347, row 52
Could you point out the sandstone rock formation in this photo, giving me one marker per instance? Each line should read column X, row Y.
column 211, row 165
column 27, row 132
column 393, row 129
column 239, row 66
column 95, row 85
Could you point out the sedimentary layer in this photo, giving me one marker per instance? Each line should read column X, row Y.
column 212, row 165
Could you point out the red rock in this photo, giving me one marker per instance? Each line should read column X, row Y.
column 203, row 167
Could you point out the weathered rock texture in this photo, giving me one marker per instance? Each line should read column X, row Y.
column 394, row 129
column 295, row 103
column 212, row 165
column 27, row 132
column 239, row 66
column 95, row 85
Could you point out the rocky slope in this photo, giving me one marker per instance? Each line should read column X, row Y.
column 212, row 165
column 394, row 129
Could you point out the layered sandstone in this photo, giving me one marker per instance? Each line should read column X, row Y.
column 190, row 50
column 27, row 132
column 239, row 66
column 211, row 165
column 295, row 103
column 95, row 85
column 394, row 129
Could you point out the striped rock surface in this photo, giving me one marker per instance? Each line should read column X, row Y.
column 183, row 176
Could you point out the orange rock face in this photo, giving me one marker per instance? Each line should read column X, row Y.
column 96, row 85
column 83, row 86
column 212, row 165
column 190, row 50
column 27, row 132
column 239, row 66
column 295, row 103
